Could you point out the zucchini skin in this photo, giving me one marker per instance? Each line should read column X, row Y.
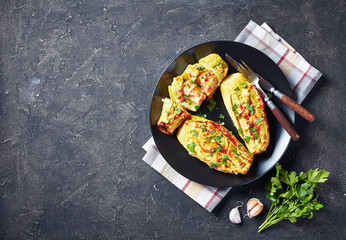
column 245, row 106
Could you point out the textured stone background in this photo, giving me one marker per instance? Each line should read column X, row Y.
column 76, row 79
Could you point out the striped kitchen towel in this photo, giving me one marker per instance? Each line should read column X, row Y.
column 299, row 73
column 301, row 77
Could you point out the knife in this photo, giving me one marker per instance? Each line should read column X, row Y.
column 286, row 99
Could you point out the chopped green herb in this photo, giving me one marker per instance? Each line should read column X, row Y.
column 211, row 105
column 236, row 89
column 258, row 120
column 191, row 147
column 224, row 158
column 251, row 109
column 222, row 116
column 200, row 67
column 240, row 130
column 193, row 78
column 196, row 108
column 269, row 94
column 212, row 132
column 214, row 165
column 255, row 135
column 194, row 133
column 220, row 64
column 253, row 129
column 217, row 149
column 203, row 128
column 244, row 85
column 218, row 137
column 235, row 106
column 247, row 138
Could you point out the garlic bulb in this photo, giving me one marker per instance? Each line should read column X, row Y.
column 234, row 215
column 254, row 207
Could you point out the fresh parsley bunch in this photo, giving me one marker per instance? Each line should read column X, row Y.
column 293, row 195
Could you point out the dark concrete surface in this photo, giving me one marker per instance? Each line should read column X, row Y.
column 76, row 79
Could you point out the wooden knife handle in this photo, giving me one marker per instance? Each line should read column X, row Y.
column 285, row 123
column 297, row 108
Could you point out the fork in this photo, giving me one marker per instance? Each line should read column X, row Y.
column 249, row 74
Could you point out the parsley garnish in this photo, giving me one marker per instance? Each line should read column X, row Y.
column 203, row 128
column 214, row 165
column 200, row 67
column 251, row 109
column 222, row 116
column 269, row 94
column 217, row 149
column 293, row 195
column 224, row 158
column 247, row 138
column 243, row 85
column 253, row 129
column 236, row 89
column 255, row 135
column 194, row 133
column 258, row 120
column 211, row 105
column 191, row 147
column 240, row 130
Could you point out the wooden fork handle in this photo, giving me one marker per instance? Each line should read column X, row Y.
column 297, row 108
column 285, row 123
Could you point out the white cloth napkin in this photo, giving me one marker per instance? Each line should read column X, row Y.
column 301, row 77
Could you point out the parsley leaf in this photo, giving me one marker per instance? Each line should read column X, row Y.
column 214, row 165
column 211, row 105
column 224, row 158
column 247, row 138
column 258, row 120
column 191, row 147
column 194, row 133
column 293, row 195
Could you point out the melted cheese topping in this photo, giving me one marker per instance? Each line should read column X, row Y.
column 214, row 145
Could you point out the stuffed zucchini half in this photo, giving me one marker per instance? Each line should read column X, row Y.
column 198, row 82
column 172, row 116
column 246, row 108
column 214, row 145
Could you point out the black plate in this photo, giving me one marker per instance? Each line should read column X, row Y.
column 176, row 155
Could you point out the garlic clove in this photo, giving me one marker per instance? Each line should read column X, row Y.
column 254, row 207
column 234, row 216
